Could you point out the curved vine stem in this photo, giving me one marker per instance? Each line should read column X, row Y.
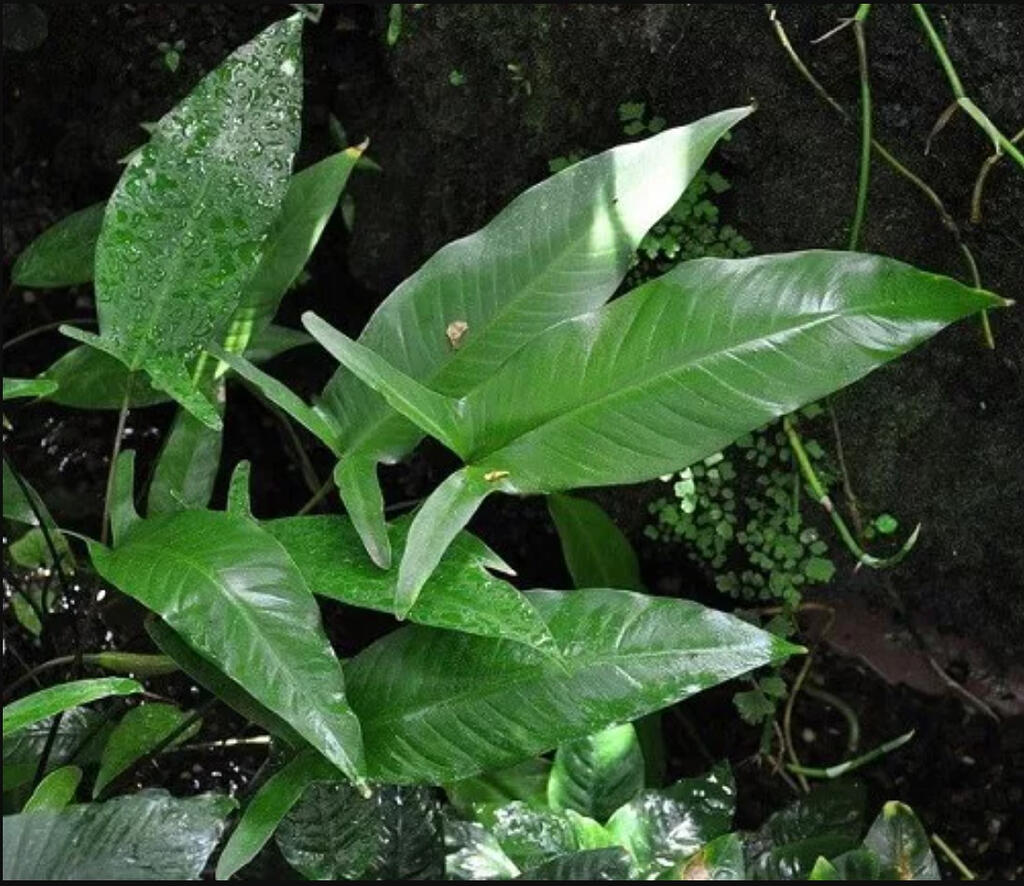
column 865, row 125
column 822, row 497
column 889, row 158
column 979, row 183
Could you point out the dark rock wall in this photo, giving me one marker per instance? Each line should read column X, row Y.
column 937, row 437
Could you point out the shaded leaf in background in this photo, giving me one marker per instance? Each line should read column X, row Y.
column 140, row 730
column 827, row 822
column 82, row 732
column 64, row 254
column 530, row 836
column 234, row 594
column 597, row 553
column 612, row 863
column 473, row 853
column 333, row 833
column 526, row 781
column 40, row 705
column 28, row 387
column 437, row 706
column 597, row 774
column 901, row 844
column 145, row 836
column 185, row 227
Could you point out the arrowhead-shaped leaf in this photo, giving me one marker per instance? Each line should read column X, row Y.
column 230, row 589
column 184, row 228
column 681, row 366
column 437, row 706
column 460, row 596
column 901, row 844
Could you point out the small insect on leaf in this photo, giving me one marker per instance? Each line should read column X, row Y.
column 492, row 476
column 455, row 330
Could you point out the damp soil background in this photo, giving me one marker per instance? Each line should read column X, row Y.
column 937, row 434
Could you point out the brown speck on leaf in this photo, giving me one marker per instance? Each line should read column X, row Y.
column 456, row 329
column 491, row 476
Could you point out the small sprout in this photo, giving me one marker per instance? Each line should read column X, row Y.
column 455, row 331
column 456, row 77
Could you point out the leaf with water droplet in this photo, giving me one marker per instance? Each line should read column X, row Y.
column 185, row 228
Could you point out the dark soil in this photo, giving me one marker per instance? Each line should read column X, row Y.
column 932, row 435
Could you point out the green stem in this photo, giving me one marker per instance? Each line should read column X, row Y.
column 963, row 100
column 865, row 127
column 852, row 723
column 954, row 859
column 822, row 496
column 979, row 184
column 848, row 766
column 122, row 418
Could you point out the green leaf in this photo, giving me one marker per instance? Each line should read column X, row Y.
column 824, row 870
column 47, row 702
column 55, row 791
column 146, row 836
column 828, row 822
column 662, row 828
column 597, row 774
column 332, row 834
column 557, row 251
column 268, row 806
column 857, row 864
column 214, row 680
column 597, row 553
column 232, row 591
column 473, row 853
column 187, row 467
column 63, row 254
column 185, row 226
column 684, row 364
column 530, row 836
column 141, row 730
column 123, row 515
column 239, row 499
column 460, row 596
column 526, row 781
column 901, row 844
column 90, row 379
column 437, row 706
column 721, row 859
column 612, row 863
column 311, row 198
column 28, row 387
column 81, row 734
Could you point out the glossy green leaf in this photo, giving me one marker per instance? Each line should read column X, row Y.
column 145, row 836
column 828, row 822
column 19, row 499
column 187, row 467
column 597, row 774
column 268, row 806
column 676, row 369
column 28, row 387
column 90, row 379
column 557, row 251
column 232, row 591
column 462, row 595
column 530, row 836
column 526, row 781
column 55, row 791
column 215, row 681
column 311, row 198
column 473, row 853
column 332, row 833
column 663, row 828
column 46, row 702
column 141, row 729
column 81, row 735
column 901, row 844
column 857, row 864
column 597, row 553
column 184, row 229
column 721, row 859
column 63, row 254
column 612, row 863
column 239, row 499
column 437, row 706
